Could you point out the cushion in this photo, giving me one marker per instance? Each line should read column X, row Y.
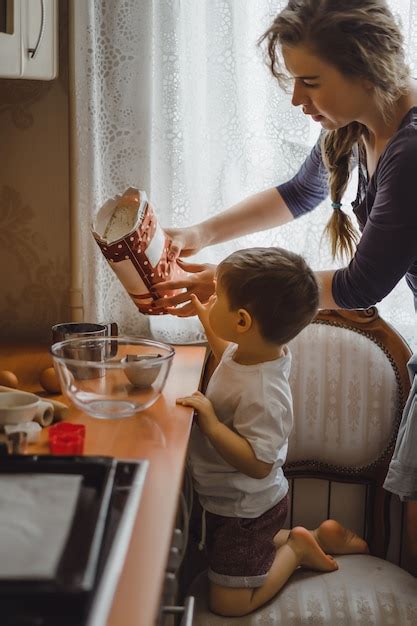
column 365, row 591
column 346, row 397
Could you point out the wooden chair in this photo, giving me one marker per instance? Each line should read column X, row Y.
column 350, row 382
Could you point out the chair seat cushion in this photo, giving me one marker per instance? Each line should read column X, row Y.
column 365, row 591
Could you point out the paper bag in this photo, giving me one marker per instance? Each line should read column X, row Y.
column 127, row 231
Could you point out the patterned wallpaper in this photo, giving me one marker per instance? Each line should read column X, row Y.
column 34, row 201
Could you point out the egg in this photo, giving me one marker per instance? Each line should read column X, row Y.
column 49, row 380
column 8, row 379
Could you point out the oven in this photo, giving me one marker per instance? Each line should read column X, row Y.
column 76, row 589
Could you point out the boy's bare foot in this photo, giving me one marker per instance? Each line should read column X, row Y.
column 308, row 551
column 332, row 537
column 336, row 539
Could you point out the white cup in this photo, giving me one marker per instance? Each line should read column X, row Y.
column 17, row 407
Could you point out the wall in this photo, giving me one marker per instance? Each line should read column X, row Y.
column 34, row 201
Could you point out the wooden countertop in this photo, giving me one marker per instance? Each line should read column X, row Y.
column 159, row 434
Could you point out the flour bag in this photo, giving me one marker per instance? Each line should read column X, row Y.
column 127, row 231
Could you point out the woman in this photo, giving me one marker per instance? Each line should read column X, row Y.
column 346, row 64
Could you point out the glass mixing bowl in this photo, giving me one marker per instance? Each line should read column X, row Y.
column 112, row 377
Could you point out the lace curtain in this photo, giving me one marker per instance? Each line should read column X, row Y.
column 173, row 97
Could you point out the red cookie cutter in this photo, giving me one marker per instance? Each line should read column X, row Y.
column 66, row 438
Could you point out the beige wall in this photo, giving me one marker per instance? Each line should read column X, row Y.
column 34, row 201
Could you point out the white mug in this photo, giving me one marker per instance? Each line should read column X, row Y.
column 17, row 407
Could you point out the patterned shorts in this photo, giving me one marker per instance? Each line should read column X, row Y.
column 241, row 550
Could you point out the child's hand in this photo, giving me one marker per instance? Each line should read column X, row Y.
column 207, row 419
column 203, row 310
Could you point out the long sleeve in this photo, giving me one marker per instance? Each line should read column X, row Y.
column 308, row 187
column 387, row 249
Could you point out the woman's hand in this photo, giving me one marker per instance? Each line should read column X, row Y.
column 200, row 282
column 184, row 242
column 207, row 419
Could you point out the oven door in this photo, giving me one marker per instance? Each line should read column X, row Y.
column 80, row 589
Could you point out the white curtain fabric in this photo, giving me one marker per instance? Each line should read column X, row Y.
column 173, row 97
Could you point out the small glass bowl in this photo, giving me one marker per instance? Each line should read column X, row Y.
column 112, row 377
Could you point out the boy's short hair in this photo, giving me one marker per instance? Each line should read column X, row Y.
column 275, row 285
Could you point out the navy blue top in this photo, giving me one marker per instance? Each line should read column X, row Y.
column 386, row 211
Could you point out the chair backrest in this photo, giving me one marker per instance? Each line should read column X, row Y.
column 349, row 382
column 348, row 394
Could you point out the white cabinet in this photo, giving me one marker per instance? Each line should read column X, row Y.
column 29, row 39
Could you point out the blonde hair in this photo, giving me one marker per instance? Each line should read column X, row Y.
column 362, row 40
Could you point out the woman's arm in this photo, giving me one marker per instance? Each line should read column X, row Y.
column 325, row 281
column 205, row 288
column 258, row 212
column 261, row 211
column 387, row 249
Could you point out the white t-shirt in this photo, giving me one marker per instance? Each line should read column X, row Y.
column 255, row 401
